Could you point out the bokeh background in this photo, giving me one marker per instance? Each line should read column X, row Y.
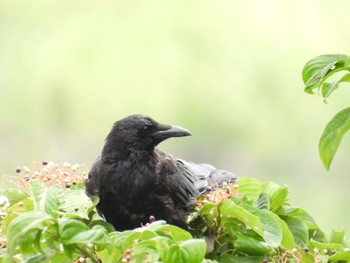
column 229, row 71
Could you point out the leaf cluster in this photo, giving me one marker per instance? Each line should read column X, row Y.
column 325, row 73
column 247, row 222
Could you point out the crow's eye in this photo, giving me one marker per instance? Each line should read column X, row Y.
column 147, row 127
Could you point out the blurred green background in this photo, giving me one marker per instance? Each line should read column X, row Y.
column 229, row 71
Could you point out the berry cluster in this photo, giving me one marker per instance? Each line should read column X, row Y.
column 49, row 173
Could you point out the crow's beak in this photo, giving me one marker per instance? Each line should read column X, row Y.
column 167, row 131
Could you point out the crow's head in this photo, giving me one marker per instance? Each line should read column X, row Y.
column 140, row 132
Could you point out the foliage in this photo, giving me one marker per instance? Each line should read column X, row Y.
column 48, row 218
column 320, row 74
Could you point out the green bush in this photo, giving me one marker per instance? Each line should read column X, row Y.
column 46, row 217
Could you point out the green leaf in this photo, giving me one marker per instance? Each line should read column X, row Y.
column 263, row 202
column 109, row 254
column 272, row 230
column 249, row 187
column 145, row 251
column 24, row 223
column 320, row 68
column 230, row 209
column 236, row 259
column 287, row 237
column 176, row 233
column 71, row 208
column 69, row 228
column 250, row 245
column 131, row 239
column 328, row 88
column 338, row 237
column 37, row 259
column 193, row 250
column 332, row 136
column 341, row 255
column 276, row 193
column 322, row 246
column 172, row 255
column 13, row 195
column 298, row 229
column 300, row 214
column 45, row 199
column 96, row 236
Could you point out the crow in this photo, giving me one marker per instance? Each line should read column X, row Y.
column 134, row 180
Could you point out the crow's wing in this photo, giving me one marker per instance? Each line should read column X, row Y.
column 185, row 181
column 206, row 176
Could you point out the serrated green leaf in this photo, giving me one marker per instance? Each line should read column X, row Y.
column 25, row 223
column 230, row 209
column 332, row 136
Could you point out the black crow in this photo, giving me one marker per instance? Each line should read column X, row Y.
column 134, row 180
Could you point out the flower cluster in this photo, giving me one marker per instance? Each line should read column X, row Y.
column 217, row 194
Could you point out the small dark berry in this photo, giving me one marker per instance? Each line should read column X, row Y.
column 26, row 178
column 44, row 162
column 67, row 185
column 333, row 252
column 152, row 219
column 74, row 183
column 306, row 249
column 18, row 170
